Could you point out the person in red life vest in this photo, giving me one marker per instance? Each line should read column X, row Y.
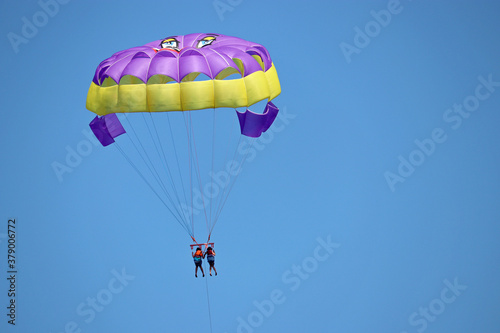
column 210, row 253
column 198, row 259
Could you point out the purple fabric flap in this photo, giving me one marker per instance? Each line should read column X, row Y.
column 114, row 126
column 254, row 124
column 106, row 128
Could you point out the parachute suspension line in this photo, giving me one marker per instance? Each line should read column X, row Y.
column 221, row 194
column 208, row 301
column 158, row 176
column 235, row 177
column 198, row 173
column 173, row 188
column 142, row 153
column 147, row 161
column 186, row 121
column 181, row 222
column 176, row 158
column 159, row 146
column 211, row 177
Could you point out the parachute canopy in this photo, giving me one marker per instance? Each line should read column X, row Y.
column 161, row 76
column 190, row 160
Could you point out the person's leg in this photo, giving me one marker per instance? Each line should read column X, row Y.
column 212, row 265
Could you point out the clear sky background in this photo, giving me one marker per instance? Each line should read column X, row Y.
column 386, row 151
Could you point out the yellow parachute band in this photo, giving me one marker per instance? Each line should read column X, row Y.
column 131, row 96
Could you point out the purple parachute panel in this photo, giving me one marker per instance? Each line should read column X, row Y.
column 106, row 128
column 254, row 124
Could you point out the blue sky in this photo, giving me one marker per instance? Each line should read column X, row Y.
column 370, row 206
